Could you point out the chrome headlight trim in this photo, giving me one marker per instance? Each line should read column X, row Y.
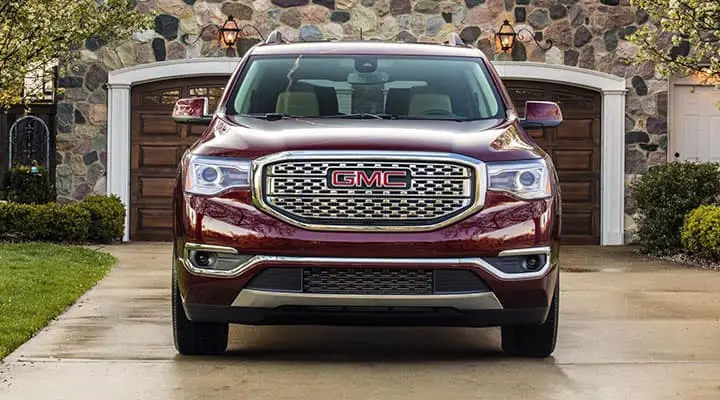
column 192, row 182
column 537, row 168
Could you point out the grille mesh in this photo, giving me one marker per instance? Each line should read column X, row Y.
column 368, row 281
column 331, row 280
column 437, row 191
column 369, row 208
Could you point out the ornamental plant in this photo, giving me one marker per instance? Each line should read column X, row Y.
column 30, row 185
column 701, row 233
column 35, row 34
column 665, row 195
column 96, row 219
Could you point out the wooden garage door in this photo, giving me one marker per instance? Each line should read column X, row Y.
column 575, row 150
column 157, row 146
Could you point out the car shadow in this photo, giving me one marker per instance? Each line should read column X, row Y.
column 364, row 344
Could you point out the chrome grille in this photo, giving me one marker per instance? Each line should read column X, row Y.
column 417, row 168
column 368, row 281
column 318, row 186
column 439, row 189
column 369, row 208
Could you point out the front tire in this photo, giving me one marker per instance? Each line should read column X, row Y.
column 195, row 338
column 534, row 341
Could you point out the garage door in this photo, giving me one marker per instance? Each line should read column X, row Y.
column 157, row 145
column 575, row 149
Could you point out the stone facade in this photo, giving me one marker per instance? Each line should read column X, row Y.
column 585, row 33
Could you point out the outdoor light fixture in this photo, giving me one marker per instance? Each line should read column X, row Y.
column 229, row 34
column 506, row 36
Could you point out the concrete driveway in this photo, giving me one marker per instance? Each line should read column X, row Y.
column 630, row 329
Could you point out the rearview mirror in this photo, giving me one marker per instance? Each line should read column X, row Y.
column 192, row 110
column 370, row 78
column 541, row 114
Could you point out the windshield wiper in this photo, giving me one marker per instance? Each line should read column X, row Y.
column 268, row 116
column 362, row 116
column 391, row 116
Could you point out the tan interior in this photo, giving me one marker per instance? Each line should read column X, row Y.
column 423, row 102
column 301, row 104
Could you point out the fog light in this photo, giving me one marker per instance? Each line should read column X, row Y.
column 203, row 259
column 209, row 260
column 533, row 263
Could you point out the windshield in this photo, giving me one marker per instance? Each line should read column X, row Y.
column 402, row 87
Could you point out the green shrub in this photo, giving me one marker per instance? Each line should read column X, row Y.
column 664, row 195
column 39, row 221
column 30, row 187
column 701, row 232
column 72, row 224
column 107, row 215
column 96, row 219
column 12, row 217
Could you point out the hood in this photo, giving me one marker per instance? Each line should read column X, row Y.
column 486, row 140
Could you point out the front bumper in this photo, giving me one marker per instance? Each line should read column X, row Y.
column 505, row 297
column 504, row 226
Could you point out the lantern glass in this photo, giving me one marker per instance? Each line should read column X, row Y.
column 230, row 32
column 506, row 37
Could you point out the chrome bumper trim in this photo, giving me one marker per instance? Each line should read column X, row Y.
column 472, row 262
column 208, row 247
column 185, row 260
column 266, row 299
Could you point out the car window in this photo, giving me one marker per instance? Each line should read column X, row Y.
column 433, row 88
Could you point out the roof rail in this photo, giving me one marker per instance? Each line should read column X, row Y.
column 453, row 39
column 275, row 37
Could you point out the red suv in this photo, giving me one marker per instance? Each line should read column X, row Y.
column 366, row 183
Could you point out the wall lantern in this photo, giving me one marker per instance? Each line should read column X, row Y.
column 506, row 36
column 229, row 34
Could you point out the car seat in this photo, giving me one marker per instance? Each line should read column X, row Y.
column 397, row 101
column 420, row 103
column 301, row 104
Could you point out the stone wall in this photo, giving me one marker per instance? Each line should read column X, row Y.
column 586, row 33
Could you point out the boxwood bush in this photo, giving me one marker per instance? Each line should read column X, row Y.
column 107, row 216
column 665, row 195
column 701, row 233
column 95, row 219
column 30, row 187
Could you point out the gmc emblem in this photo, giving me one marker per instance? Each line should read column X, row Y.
column 369, row 178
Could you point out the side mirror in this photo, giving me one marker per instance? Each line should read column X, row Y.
column 192, row 110
column 541, row 114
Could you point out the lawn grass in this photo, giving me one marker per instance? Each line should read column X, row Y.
column 38, row 281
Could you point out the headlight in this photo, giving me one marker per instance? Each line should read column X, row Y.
column 525, row 179
column 212, row 175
